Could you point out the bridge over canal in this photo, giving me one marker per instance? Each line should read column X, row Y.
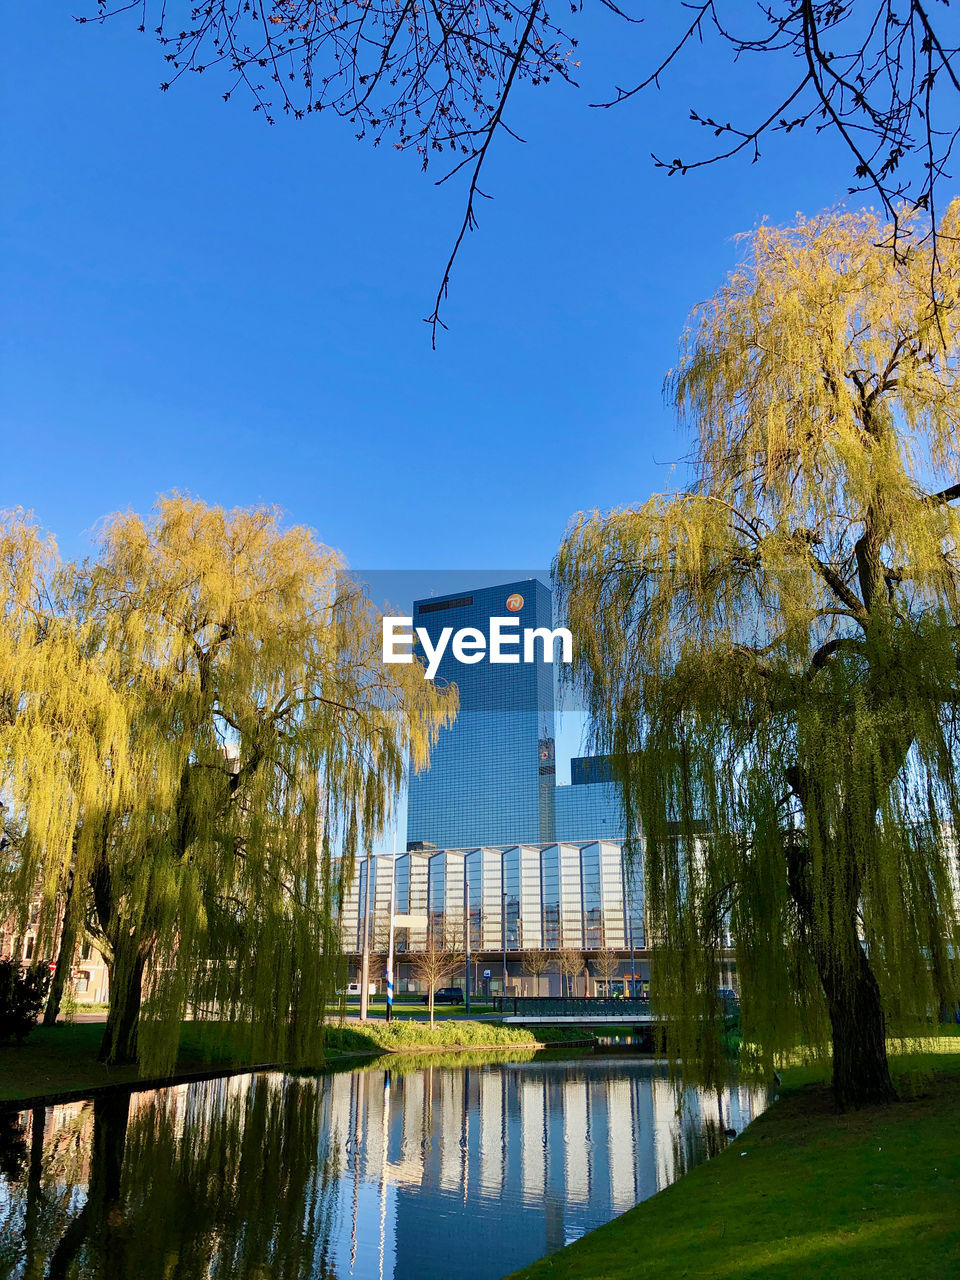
column 559, row 1011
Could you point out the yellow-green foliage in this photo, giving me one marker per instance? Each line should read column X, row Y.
column 403, row 1034
column 197, row 725
column 771, row 654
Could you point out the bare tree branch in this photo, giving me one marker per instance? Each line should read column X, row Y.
column 436, row 77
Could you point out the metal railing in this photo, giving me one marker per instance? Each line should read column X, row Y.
column 571, row 1006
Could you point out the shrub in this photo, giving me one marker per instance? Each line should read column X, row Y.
column 22, row 995
column 409, row 1034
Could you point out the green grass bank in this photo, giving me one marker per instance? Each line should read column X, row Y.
column 63, row 1059
column 400, row 1036
column 804, row 1194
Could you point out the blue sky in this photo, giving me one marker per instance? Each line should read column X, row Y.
column 195, row 300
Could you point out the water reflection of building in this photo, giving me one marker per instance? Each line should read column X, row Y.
column 537, row 1153
column 367, row 1175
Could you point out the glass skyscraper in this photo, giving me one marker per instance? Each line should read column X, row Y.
column 491, row 777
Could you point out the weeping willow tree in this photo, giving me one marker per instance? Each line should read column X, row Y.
column 771, row 655
column 197, row 731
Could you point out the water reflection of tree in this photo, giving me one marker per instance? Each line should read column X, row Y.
column 41, row 1175
column 697, row 1136
column 222, row 1180
column 13, row 1145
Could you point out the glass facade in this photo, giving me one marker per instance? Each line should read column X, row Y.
column 381, row 885
column 571, row 896
column 412, row 872
column 634, row 903
column 445, row 898
column 604, row 913
column 550, row 896
column 484, row 872
column 354, row 903
column 491, row 776
column 523, row 905
column 588, row 811
column 535, row 897
column 585, row 770
column 351, row 913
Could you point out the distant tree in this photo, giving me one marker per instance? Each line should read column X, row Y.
column 606, row 964
column 572, row 965
column 22, row 993
column 537, row 963
column 441, row 958
column 377, row 967
column 195, row 726
column 438, row 81
column 771, row 655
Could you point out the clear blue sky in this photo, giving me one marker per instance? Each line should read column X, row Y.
column 195, row 300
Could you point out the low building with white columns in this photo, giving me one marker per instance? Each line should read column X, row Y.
column 582, row 896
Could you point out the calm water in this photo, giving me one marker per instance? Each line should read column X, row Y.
column 429, row 1171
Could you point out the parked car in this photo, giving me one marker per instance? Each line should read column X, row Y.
column 353, row 989
column 727, row 993
column 446, row 995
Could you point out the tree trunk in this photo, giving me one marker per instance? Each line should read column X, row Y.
column 861, row 1074
column 119, row 1045
column 68, row 943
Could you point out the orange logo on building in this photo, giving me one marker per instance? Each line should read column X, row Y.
column 515, row 603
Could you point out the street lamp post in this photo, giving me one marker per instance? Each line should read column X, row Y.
column 393, row 906
column 504, row 933
column 466, row 931
column 365, row 952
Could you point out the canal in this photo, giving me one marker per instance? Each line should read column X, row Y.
column 465, row 1167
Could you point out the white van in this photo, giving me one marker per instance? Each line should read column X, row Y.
column 353, row 989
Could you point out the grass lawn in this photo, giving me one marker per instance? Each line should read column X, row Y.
column 63, row 1059
column 805, row 1194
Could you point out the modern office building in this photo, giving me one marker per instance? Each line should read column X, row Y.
column 585, row 811
column 491, row 776
column 517, row 899
column 492, row 843
column 590, row 807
